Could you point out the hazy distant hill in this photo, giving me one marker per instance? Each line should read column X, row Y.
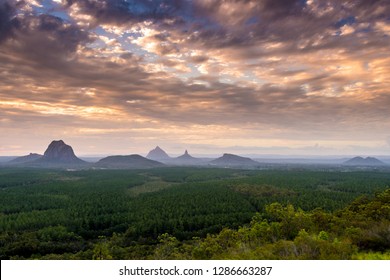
column 6, row 159
column 158, row 154
column 230, row 160
column 25, row 159
column 127, row 162
column 368, row 161
column 186, row 159
column 57, row 155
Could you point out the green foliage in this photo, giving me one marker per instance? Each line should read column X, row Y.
column 167, row 248
column 101, row 250
column 269, row 239
column 372, row 256
column 186, row 213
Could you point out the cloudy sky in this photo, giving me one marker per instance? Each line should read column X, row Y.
column 289, row 77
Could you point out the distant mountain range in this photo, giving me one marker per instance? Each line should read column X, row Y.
column 25, row 159
column 60, row 155
column 230, row 160
column 57, row 154
column 160, row 155
column 127, row 162
column 368, row 161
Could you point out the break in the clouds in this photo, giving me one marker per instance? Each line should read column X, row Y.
column 117, row 76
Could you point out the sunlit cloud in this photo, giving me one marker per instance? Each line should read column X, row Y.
column 60, row 109
column 255, row 75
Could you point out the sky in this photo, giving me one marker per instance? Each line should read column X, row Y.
column 284, row 77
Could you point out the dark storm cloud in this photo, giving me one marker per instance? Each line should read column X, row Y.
column 122, row 11
column 42, row 42
column 46, row 40
column 276, row 63
column 373, row 8
column 56, row 36
column 265, row 8
column 296, row 24
column 240, row 23
column 282, row 8
column 8, row 21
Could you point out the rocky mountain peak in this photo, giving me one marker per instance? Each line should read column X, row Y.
column 58, row 151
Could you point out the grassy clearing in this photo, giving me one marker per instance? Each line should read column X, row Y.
column 149, row 187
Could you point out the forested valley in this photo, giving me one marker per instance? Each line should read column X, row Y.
column 194, row 213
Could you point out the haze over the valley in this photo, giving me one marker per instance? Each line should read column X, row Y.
column 119, row 77
column 61, row 155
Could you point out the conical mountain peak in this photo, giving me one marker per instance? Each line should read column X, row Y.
column 158, row 154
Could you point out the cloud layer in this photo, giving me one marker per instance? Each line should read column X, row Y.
column 117, row 76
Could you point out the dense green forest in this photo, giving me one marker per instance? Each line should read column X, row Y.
column 194, row 213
